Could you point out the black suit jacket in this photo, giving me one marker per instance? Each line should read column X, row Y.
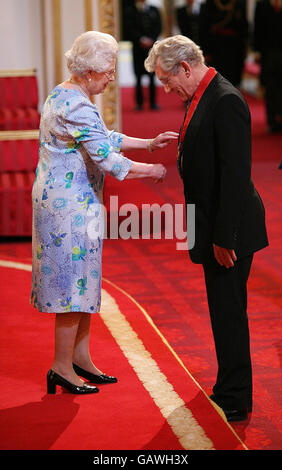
column 216, row 165
column 138, row 23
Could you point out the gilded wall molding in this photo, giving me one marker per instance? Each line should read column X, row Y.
column 109, row 23
column 57, row 40
column 88, row 15
column 44, row 47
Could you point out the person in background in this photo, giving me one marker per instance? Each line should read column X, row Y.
column 142, row 25
column 76, row 151
column 268, row 45
column 224, row 36
column 187, row 17
column 214, row 161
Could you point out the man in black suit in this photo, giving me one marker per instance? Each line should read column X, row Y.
column 142, row 25
column 223, row 36
column 215, row 165
column 268, row 46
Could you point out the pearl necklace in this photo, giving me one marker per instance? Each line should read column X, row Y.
column 80, row 88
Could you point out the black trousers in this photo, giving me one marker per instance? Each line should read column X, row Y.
column 227, row 300
column 272, row 75
column 139, row 91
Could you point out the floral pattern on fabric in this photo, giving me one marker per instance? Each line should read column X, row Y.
column 76, row 151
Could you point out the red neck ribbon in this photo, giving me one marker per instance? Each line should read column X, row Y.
column 196, row 98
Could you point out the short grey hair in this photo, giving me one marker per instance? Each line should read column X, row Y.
column 92, row 50
column 171, row 51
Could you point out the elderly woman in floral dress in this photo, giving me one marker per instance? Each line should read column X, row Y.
column 76, row 151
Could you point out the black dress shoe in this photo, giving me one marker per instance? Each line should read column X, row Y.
column 233, row 414
column 249, row 407
column 54, row 379
column 93, row 378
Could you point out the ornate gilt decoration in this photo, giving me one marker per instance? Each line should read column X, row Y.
column 57, row 41
column 108, row 23
column 88, row 15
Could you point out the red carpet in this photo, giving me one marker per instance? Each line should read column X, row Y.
column 171, row 290
column 30, row 419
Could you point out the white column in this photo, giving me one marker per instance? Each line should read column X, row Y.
column 20, row 36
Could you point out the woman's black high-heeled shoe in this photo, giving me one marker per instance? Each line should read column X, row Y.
column 54, row 379
column 93, row 378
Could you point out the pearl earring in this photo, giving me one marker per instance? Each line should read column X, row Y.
column 89, row 79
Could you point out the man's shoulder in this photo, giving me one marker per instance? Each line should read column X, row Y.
column 225, row 92
column 221, row 92
column 223, row 87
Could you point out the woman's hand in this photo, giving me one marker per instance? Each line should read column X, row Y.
column 158, row 172
column 162, row 140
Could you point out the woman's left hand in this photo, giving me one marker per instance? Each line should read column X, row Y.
column 162, row 140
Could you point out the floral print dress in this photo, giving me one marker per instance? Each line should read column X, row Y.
column 76, row 150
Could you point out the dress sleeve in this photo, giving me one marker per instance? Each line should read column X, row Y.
column 116, row 139
column 85, row 128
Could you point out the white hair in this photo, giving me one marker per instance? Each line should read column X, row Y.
column 171, row 51
column 92, row 50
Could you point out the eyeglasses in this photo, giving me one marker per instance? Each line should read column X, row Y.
column 110, row 73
